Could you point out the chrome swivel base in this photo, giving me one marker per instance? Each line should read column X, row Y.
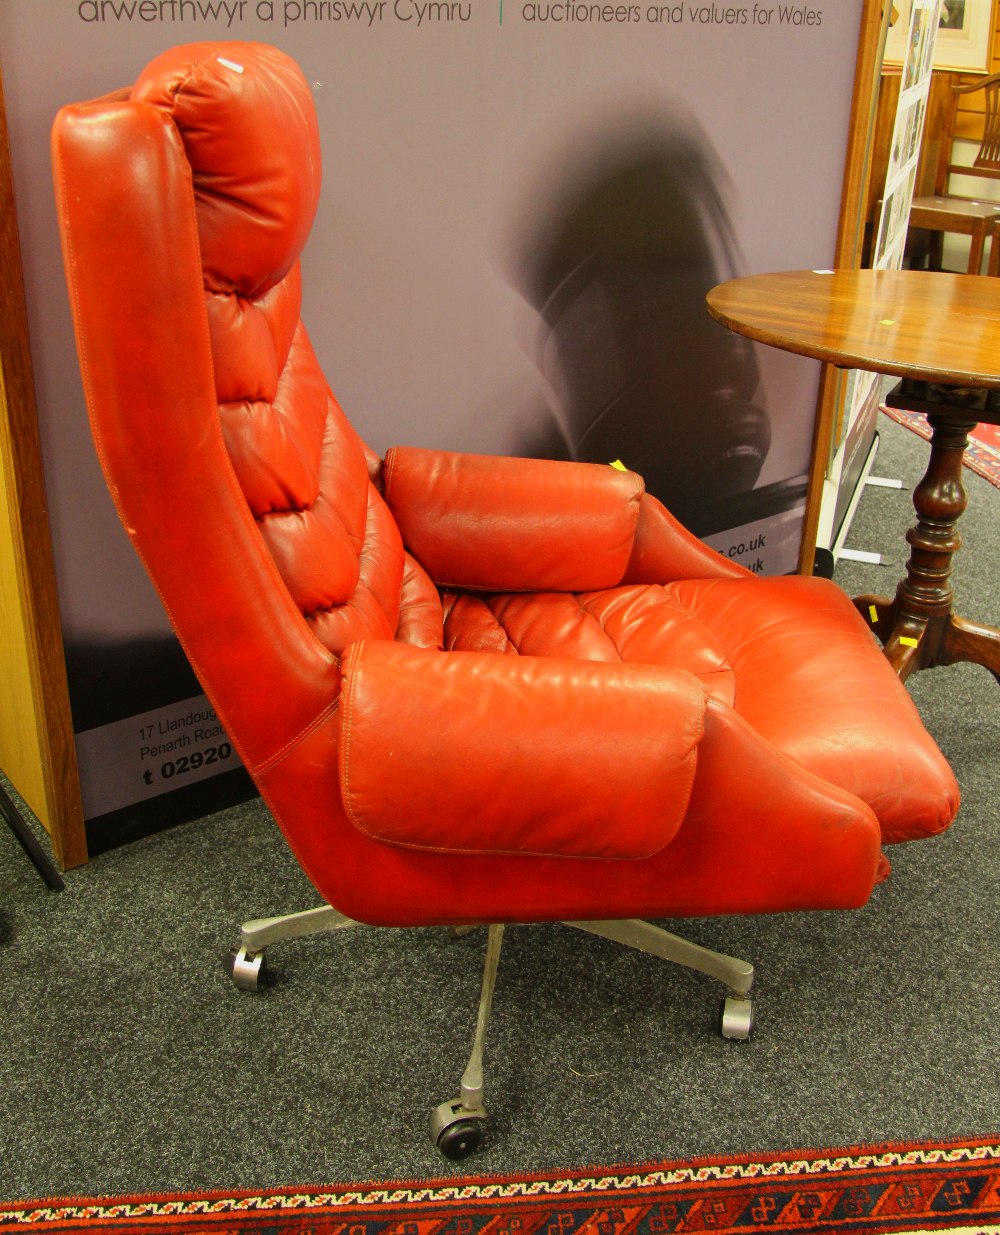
column 737, row 1008
column 457, row 1126
column 255, row 936
column 737, row 1018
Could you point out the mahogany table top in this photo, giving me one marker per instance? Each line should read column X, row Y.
column 909, row 323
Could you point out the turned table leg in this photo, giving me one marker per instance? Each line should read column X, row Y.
column 918, row 628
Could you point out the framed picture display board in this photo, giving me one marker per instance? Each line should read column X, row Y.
column 964, row 36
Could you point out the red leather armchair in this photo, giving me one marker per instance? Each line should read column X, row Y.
column 470, row 690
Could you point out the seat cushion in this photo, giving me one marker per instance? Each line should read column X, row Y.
column 790, row 654
column 636, row 624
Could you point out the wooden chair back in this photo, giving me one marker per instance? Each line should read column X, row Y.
column 987, row 160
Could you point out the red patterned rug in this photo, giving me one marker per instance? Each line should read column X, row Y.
column 943, row 1186
column 983, row 454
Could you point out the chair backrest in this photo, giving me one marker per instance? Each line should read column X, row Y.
column 987, row 160
column 184, row 205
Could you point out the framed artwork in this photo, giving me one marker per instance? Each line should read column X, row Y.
column 964, row 37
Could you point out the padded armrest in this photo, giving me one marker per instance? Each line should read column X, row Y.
column 478, row 753
column 509, row 525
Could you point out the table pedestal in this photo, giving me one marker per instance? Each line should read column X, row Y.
column 918, row 628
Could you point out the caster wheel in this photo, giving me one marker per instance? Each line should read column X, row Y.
column 247, row 968
column 461, row 1138
column 737, row 1019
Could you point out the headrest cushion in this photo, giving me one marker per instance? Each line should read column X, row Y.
column 246, row 117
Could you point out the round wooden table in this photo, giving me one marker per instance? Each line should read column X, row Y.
column 941, row 334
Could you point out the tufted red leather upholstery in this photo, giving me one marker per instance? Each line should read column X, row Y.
column 469, row 689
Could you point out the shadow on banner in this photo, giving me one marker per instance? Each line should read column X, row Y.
column 616, row 254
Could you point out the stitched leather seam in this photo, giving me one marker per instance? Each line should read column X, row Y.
column 510, row 644
column 284, row 510
column 485, row 601
column 272, row 760
column 319, row 610
column 600, row 623
column 352, row 674
column 388, row 464
column 727, row 665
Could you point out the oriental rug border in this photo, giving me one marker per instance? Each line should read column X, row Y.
column 901, row 1188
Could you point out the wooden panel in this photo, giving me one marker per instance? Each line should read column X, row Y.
column 850, row 242
column 969, row 121
column 36, row 730
column 20, row 751
column 939, row 101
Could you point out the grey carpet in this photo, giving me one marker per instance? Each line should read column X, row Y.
column 131, row 1063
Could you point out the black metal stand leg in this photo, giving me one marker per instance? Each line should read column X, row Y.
column 29, row 842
